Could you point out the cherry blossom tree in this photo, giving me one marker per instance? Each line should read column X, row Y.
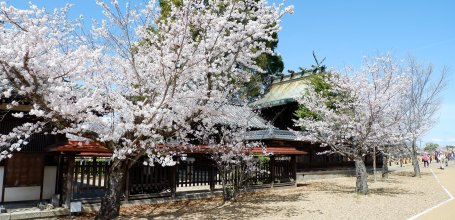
column 234, row 163
column 139, row 82
column 363, row 111
column 233, row 157
column 423, row 103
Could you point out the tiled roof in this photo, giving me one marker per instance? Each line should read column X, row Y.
column 242, row 116
column 270, row 134
column 282, row 91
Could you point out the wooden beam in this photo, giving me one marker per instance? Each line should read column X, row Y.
column 127, row 182
column 5, row 168
column 173, row 180
column 58, row 178
column 23, row 108
column 212, row 177
column 42, row 180
column 272, row 170
column 69, row 181
column 294, row 168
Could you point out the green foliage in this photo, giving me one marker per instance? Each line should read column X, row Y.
column 304, row 112
column 431, row 146
column 263, row 159
column 317, row 81
column 229, row 192
column 166, row 6
column 272, row 65
column 317, row 77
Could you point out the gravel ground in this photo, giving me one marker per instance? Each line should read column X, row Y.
column 399, row 197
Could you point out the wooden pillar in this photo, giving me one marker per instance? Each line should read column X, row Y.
column 5, row 172
column 58, row 178
column 94, row 171
column 311, row 156
column 69, row 181
column 42, row 181
column 272, row 170
column 294, row 168
column 173, row 180
column 127, row 183
column 212, row 177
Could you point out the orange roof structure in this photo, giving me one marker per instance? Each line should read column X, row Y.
column 280, row 151
column 91, row 148
column 81, row 146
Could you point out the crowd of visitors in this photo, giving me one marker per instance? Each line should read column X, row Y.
column 442, row 158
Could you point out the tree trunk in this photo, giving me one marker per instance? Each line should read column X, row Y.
column 415, row 164
column 415, row 161
column 385, row 166
column 362, row 175
column 224, row 177
column 374, row 163
column 110, row 204
column 236, row 183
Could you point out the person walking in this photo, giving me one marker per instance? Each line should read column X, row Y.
column 441, row 158
column 425, row 160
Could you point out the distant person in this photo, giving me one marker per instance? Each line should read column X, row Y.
column 436, row 156
column 425, row 160
column 441, row 158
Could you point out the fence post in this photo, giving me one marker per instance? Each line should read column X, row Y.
column 94, row 172
column 294, row 168
column 272, row 170
column 127, row 182
column 69, row 181
column 59, row 178
column 311, row 157
column 212, row 178
column 173, row 180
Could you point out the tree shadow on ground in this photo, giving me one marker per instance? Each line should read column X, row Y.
column 391, row 191
column 409, row 173
column 268, row 202
column 249, row 204
column 330, row 187
column 334, row 188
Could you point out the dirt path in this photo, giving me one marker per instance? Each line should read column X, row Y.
column 445, row 209
column 399, row 197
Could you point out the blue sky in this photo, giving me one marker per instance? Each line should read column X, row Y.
column 346, row 31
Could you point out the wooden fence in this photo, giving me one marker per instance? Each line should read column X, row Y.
column 91, row 175
column 197, row 172
column 147, row 179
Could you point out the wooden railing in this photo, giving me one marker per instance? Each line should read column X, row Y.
column 147, row 179
column 91, row 176
column 200, row 172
